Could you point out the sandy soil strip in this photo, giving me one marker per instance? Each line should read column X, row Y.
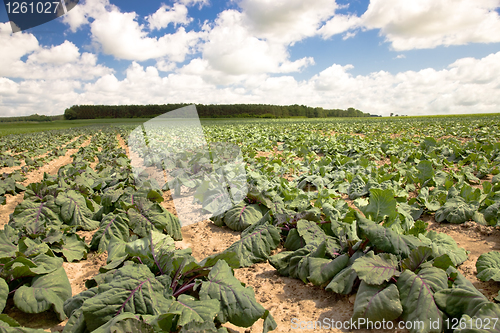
column 123, row 145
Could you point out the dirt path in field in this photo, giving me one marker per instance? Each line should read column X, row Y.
column 34, row 177
column 122, row 144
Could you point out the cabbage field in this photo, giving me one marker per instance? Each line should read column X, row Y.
column 381, row 220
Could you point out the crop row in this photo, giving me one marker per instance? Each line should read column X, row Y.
column 147, row 283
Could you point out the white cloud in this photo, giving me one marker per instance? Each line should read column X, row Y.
column 165, row 66
column 339, row 24
column 231, row 48
column 429, row 23
column 165, row 15
column 8, row 87
column 57, row 62
column 86, row 10
column 122, row 36
column 42, row 97
column 200, row 3
column 14, row 46
column 286, row 21
column 400, row 56
column 67, row 52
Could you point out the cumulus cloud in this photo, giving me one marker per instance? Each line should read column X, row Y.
column 65, row 53
column 14, row 46
column 339, row 24
column 232, row 48
column 80, row 15
column 286, row 21
column 122, row 36
column 8, row 87
column 428, row 23
column 50, row 97
column 62, row 61
column 200, row 3
column 165, row 15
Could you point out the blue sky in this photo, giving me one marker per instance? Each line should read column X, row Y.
column 379, row 56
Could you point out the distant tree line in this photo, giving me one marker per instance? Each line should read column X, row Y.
column 34, row 118
column 207, row 111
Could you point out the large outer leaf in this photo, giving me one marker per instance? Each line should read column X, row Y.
column 382, row 204
column 456, row 210
column 150, row 216
column 242, row 216
column 492, row 214
column 4, row 294
column 280, row 261
column 74, row 211
column 311, row 233
column 125, row 322
column 385, row 239
column 488, row 266
column 457, row 301
column 417, row 296
column 46, row 291
column 357, row 188
column 193, row 311
column 377, row 303
column 376, row 269
column 5, row 328
column 343, row 282
column 154, row 250
column 133, row 288
column 7, row 248
column 425, row 171
column 322, row 271
column 111, row 225
column 487, row 315
column 75, row 303
column 256, row 243
column 416, row 258
column 36, row 214
column 24, row 267
column 73, row 248
column 238, row 303
column 444, row 244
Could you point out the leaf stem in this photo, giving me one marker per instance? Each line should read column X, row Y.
column 183, row 289
column 175, row 280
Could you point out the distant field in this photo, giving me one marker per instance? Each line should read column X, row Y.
column 31, row 127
